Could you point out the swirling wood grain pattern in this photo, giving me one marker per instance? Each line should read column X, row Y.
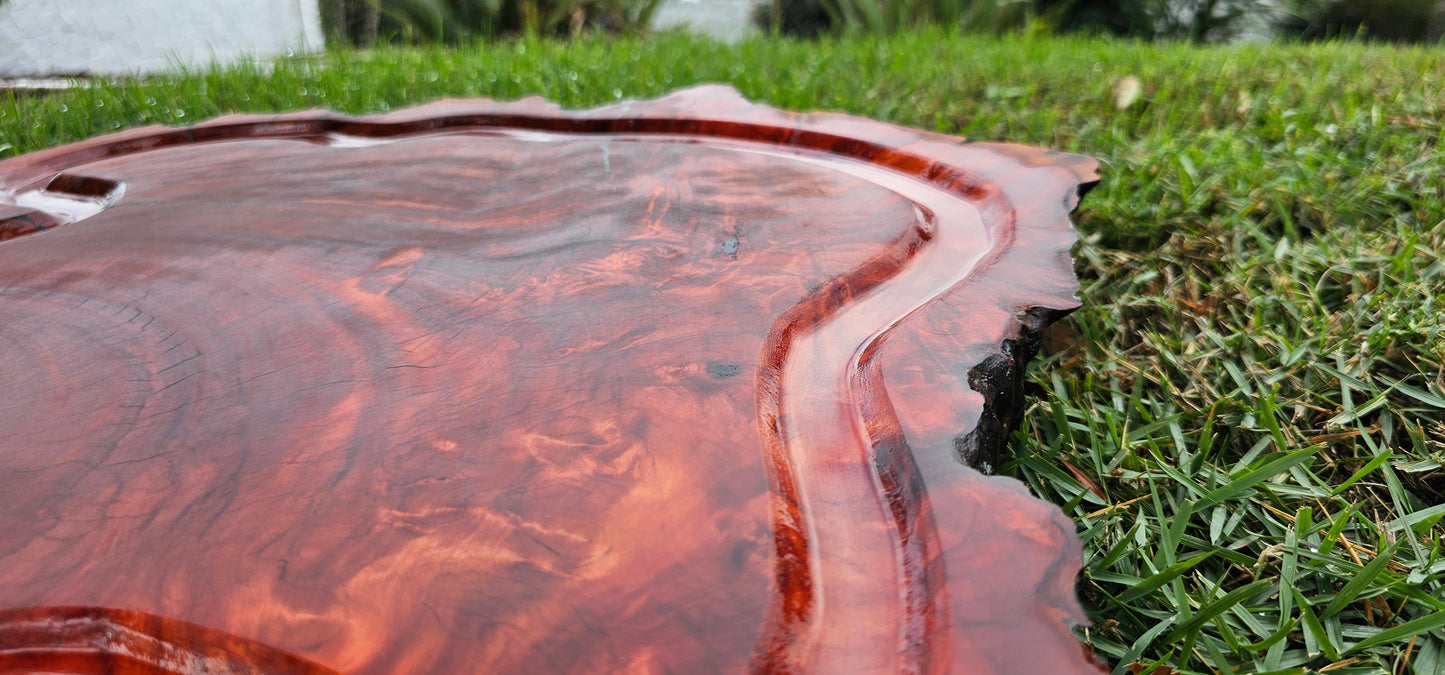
column 669, row 386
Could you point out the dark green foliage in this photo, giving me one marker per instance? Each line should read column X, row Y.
column 799, row 18
column 1388, row 20
column 1194, row 20
column 364, row 22
column 810, row 18
column 1114, row 17
column 355, row 22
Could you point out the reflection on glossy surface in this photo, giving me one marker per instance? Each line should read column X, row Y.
column 670, row 386
column 96, row 640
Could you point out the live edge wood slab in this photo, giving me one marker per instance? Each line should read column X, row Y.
column 689, row 385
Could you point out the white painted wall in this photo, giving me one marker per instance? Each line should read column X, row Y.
column 41, row 38
column 729, row 20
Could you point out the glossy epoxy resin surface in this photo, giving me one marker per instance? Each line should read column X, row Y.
column 687, row 385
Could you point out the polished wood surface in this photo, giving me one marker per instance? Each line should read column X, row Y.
column 684, row 385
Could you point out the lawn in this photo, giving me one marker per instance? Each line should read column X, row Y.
column 1246, row 419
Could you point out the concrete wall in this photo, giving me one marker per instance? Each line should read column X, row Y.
column 729, row 20
column 44, row 38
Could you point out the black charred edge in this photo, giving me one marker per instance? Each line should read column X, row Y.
column 1000, row 378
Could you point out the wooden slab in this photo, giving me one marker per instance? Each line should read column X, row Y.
column 683, row 385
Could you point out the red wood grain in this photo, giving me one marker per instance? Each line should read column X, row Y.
column 683, row 385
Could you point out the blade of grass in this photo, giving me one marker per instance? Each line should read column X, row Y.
column 1315, row 627
column 1420, row 626
column 1164, row 576
column 1218, row 607
column 1358, row 583
column 1365, row 470
column 1256, row 476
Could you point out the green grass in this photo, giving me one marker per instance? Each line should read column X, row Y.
column 1249, row 424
